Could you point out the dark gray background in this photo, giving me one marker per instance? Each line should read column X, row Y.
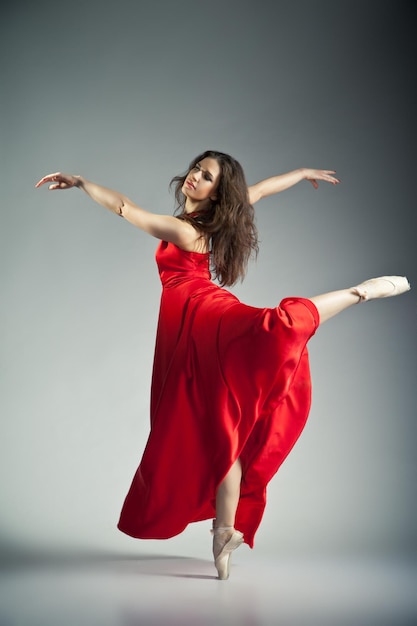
column 126, row 94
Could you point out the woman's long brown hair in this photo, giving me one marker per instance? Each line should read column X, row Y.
column 229, row 222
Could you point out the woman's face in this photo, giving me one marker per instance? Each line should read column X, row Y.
column 202, row 180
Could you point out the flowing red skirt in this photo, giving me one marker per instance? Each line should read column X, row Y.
column 229, row 381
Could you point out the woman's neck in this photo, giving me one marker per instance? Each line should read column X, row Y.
column 196, row 206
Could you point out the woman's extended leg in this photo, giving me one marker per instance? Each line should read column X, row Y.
column 334, row 302
column 330, row 304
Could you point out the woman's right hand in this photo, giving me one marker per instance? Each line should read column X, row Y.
column 59, row 181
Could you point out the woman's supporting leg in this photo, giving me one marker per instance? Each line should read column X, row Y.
column 330, row 304
column 227, row 497
column 225, row 538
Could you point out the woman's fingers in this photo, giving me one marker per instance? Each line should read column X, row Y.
column 328, row 176
column 325, row 175
column 58, row 180
column 47, row 178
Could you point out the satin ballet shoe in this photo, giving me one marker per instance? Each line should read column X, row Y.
column 225, row 540
column 382, row 287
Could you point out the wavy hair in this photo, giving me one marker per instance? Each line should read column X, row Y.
column 229, row 222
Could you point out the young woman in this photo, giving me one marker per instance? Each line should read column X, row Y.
column 231, row 383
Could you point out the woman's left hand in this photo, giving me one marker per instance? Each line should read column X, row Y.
column 313, row 176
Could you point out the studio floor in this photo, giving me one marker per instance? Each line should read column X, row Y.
column 155, row 590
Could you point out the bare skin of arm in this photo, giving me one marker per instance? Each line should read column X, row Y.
column 164, row 227
column 276, row 184
column 167, row 227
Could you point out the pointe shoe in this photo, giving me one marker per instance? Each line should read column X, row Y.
column 382, row 287
column 225, row 540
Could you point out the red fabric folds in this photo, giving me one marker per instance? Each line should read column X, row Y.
column 229, row 381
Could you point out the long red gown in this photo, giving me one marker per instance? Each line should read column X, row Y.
column 229, row 381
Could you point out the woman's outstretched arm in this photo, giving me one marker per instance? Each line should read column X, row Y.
column 273, row 185
column 164, row 227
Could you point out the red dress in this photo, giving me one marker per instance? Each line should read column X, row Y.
column 229, row 381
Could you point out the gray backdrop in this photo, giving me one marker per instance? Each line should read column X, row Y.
column 127, row 93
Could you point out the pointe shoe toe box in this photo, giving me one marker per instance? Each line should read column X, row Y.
column 382, row 287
